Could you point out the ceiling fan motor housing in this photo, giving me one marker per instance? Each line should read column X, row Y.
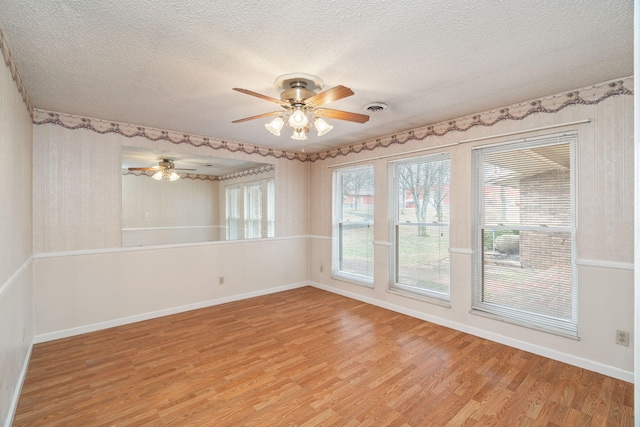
column 166, row 164
column 297, row 93
column 296, row 87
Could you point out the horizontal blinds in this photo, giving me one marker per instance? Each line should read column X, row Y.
column 524, row 233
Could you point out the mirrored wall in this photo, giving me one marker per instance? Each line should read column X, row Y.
column 170, row 198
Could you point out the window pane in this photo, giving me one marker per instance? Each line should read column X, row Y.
column 271, row 208
column 423, row 191
column 233, row 216
column 353, row 224
column 357, row 195
column 253, row 211
column 528, row 187
column 529, row 271
column 524, row 268
column 356, row 254
column 422, row 226
column 423, row 257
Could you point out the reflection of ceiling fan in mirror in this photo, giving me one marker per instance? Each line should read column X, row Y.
column 302, row 103
column 165, row 170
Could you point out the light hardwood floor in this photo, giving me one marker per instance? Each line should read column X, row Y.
column 306, row 358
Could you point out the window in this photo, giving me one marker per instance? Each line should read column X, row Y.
column 353, row 225
column 271, row 208
column 233, row 212
column 251, row 216
column 420, row 232
column 253, row 210
column 525, row 232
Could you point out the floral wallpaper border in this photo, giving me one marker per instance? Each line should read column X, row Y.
column 249, row 172
column 11, row 64
column 585, row 96
column 72, row 122
column 182, row 175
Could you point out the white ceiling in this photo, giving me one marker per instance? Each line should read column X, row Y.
column 172, row 65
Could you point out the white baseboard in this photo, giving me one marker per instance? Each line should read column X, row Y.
column 18, row 389
column 580, row 362
column 50, row 336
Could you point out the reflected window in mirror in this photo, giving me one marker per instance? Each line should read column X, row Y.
column 251, row 216
column 233, row 212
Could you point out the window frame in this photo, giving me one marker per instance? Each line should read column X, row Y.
column 267, row 208
column 228, row 212
column 538, row 321
column 337, row 221
column 249, row 209
column 394, row 255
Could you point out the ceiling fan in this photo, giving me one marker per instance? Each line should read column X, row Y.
column 165, row 170
column 302, row 101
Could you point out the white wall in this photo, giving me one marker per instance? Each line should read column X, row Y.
column 93, row 290
column 161, row 212
column 605, row 229
column 185, row 202
column 16, row 308
column 84, row 279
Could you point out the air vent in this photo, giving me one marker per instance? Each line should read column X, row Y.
column 375, row 107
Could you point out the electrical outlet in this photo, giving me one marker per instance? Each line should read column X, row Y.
column 221, row 280
column 622, row 338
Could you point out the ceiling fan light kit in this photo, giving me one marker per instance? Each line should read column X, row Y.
column 165, row 170
column 301, row 101
column 298, row 120
column 275, row 126
column 165, row 174
column 299, row 135
column 321, row 126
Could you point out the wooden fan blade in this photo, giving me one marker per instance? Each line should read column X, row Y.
column 259, row 116
column 143, row 169
column 180, row 169
column 330, row 95
column 341, row 115
column 259, row 95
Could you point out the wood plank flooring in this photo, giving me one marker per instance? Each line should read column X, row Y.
column 306, row 358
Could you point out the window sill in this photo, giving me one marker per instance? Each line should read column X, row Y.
column 353, row 280
column 523, row 324
column 419, row 297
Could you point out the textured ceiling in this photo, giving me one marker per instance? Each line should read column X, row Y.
column 172, row 65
